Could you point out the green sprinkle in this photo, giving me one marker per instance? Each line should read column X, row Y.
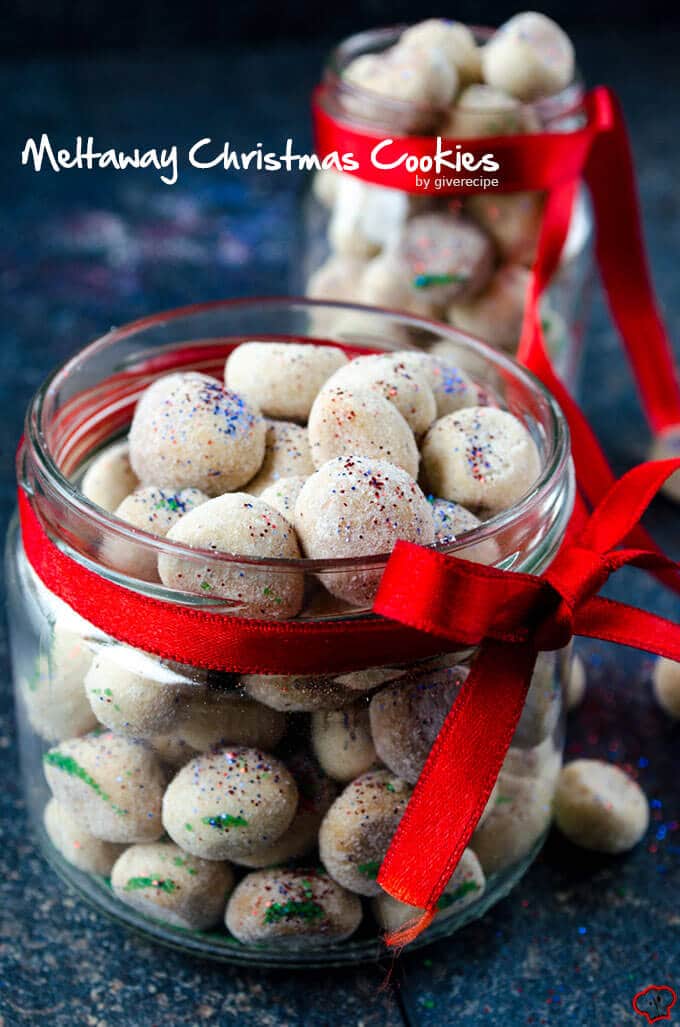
column 222, row 821
column 179, row 862
column 448, row 898
column 107, row 691
column 425, row 281
column 61, row 761
column 137, row 883
column 269, row 593
column 307, row 910
column 370, row 869
column 188, row 827
column 390, row 787
column 501, row 799
column 206, row 586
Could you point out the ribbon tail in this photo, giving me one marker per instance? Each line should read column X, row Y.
column 410, row 930
column 456, row 782
column 612, row 621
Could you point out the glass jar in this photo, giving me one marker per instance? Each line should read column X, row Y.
column 368, row 243
column 105, row 727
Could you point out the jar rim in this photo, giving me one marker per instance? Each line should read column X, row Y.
column 555, row 466
column 557, row 105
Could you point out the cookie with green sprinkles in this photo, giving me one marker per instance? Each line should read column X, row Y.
column 358, row 828
column 162, row 881
column 521, row 812
column 216, row 717
column 302, row 907
column 76, row 844
column 229, row 802
column 53, row 692
column 112, row 785
column 466, row 886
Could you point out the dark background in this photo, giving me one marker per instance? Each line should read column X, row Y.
column 80, row 26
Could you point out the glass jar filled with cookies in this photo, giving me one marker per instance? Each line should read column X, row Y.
column 202, row 493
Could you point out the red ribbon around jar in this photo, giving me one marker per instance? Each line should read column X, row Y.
column 598, row 152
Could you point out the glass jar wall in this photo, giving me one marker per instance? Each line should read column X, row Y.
column 209, row 809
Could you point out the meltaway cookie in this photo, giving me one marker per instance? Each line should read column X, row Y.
column 666, row 681
column 543, row 704
column 407, row 717
column 358, row 828
column 600, row 807
column 298, row 907
column 154, row 510
column 520, row 814
column 451, row 387
column 286, row 454
column 112, row 785
column 229, row 802
column 188, row 431
column 453, row 39
column 481, row 457
column 316, row 794
column 481, row 110
column 513, row 220
column 467, row 884
column 529, row 56
column 496, row 314
column 354, row 507
column 360, row 422
column 76, row 844
column 403, row 385
column 297, row 694
column 449, row 257
column 365, row 218
column 282, row 494
column 162, row 881
column 54, row 693
column 387, row 281
column 342, row 741
column 452, row 522
column 281, row 378
column 110, row 478
column 134, row 693
column 237, row 524
column 216, row 717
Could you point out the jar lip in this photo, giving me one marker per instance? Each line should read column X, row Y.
column 556, row 464
column 560, row 104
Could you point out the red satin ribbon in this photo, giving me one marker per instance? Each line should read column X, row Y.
column 554, row 162
column 510, row 615
column 516, row 616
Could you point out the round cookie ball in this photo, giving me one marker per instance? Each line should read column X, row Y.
column 154, row 510
column 188, row 431
column 481, row 457
column 542, row 761
column 291, row 907
column 666, row 446
column 110, row 478
column 54, row 695
column 453, row 39
column 336, row 279
column 292, row 694
column 282, row 495
column 134, row 693
column 242, row 525
column 387, row 282
column 576, row 683
column 342, row 741
column 317, row 792
column 172, row 750
column 286, row 454
column 451, row 387
column 354, row 507
column 529, row 56
column 421, row 76
column 358, row 828
column 229, row 802
column 481, row 110
column 599, row 807
column 451, row 520
column 467, row 884
column 77, row 845
column 666, row 681
column 344, row 423
column 448, row 256
column 521, row 813
column 406, row 387
column 513, row 220
column 217, row 718
column 112, row 785
column 282, row 378
column 495, row 315
column 161, row 881
column 542, row 706
column 407, row 717
column 365, row 218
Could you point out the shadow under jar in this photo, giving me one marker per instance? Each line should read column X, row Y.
column 463, row 259
column 169, row 792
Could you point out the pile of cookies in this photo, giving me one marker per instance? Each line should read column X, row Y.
column 463, row 260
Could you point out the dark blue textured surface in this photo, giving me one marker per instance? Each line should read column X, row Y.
column 79, row 252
